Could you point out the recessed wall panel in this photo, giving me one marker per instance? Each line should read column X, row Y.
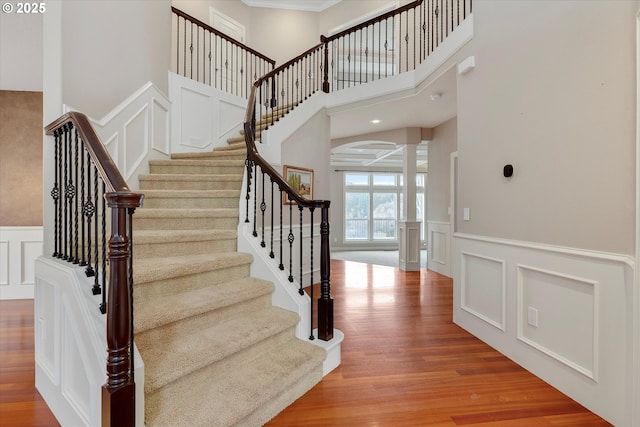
column 483, row 288
column 567, row 317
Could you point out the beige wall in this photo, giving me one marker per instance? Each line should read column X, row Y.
column 20, row 158
column 553, row 93
column 444, row 143
column 111, row 49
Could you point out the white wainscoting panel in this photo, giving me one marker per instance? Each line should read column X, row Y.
column 568, row 315
column 483, row 288
column 135, row 131
column 70, row 345
column 572, row 340
column 19, row 248
column 202, row 117
column 439, row 247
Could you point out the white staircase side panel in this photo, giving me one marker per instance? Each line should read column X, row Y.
column 19, row 248
column 70, row 345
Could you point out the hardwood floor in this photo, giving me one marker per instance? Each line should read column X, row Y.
column 404, row 363
column 20, row 403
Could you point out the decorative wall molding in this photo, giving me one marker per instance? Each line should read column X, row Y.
column 202, row 117
column 19, row 248
column 135, row 131
column 534, row 287
column 483, row 288
column 567, row 315
column 439, row 247
column 70, row 342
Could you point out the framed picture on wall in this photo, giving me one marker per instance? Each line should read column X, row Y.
column 301, row 180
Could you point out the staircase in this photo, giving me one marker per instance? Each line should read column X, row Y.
column 216, row 351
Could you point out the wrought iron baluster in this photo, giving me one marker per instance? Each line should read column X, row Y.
column 83, row 259
column 263, row 207
column 65, row 240
column 76, row 259
column 300, row 290
column 103, row 306
column 247, row 163
column 281, row 266
column 255, row 202
column 291, row 239
column 96, row 259
column 55, row 194
column 271, row 254
column 89, row 210
column 311, row 337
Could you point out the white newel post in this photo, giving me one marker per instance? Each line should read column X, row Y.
column 409, row 228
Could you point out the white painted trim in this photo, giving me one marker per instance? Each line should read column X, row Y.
column 589, row 373
column 19, row 248
column 606, row 382
column 373, row 14
column 113, row 131
column 585, row 253
column 636, row 286
column 503, row 288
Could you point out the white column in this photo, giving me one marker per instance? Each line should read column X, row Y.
column 408, row 227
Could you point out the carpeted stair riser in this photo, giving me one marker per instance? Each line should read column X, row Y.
column 190, row 182
column 239, row 397
column 236, row 335
column 201, row 199
column 164, row 243
column 186, row 219
column 230, row 153
column 196, row 166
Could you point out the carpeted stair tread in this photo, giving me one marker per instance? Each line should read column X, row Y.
column 218, row 153
column 190, row 352
column 186, row 194
column 196, row 162
column 164, row 310
column 191, row 177
column 247, row 396
column 235, row 139
column 151, row 269
column 162, row 236
column 190, row 181
column 185, row 213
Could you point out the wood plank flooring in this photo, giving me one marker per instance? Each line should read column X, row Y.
column 20, row 403
column 404, row 363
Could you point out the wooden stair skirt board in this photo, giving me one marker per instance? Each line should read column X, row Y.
column 216, row 351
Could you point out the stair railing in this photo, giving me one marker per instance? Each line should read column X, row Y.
column 86, row 183
column 392, row 43
column 208, row 56
column 270, row 190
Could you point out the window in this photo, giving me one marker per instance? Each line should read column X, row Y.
column 373, row 204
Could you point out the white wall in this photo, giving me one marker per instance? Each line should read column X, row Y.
column 543, row 268
column 110, row 49
column 21, row 50
column 555, row 99
column 444, row 143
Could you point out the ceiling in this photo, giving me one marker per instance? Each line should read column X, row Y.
column 304, row 5
column 418, row 110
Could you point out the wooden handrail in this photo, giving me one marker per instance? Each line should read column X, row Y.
column 287, row 64
column 118, row 393
column 374, row 20
column 224, row 36
column 255, row 156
